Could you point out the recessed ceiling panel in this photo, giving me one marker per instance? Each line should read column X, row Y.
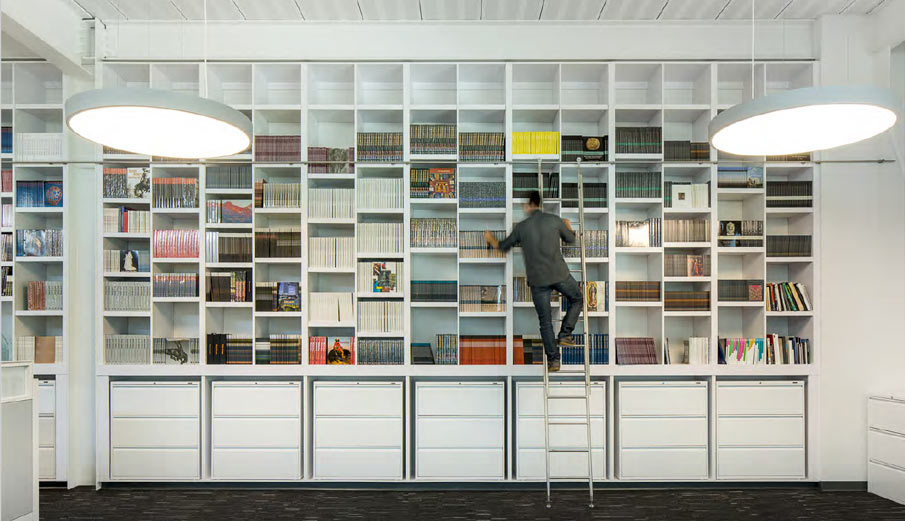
column 329, row 9
column 390, row 9
column 571, row 9
column 269, row 9
column 632, row 9
column 512, row 9
column 451, row 9
column 693, row 9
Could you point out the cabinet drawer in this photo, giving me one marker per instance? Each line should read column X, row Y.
column 530, row 464
column 155, row 432
column 460, row 433
column 886, row 448
column 886, row 415
column 531, row 400
column 47, row 398
column 530, row 434
column 47, row 463
column 162, row 400
column 886, row 482
column 750, row 463
column 460, row 399
column 358, row 464
column 256, row 400
column 469, row 463
column 663, row 432
column 663, row 400
column 157, row 464
column 764, row 400
column 341, row 433
column 243, row 464
column 760, row 432
column 357, row 400
column 274, row 433
column 663, row 463
column 47, row 431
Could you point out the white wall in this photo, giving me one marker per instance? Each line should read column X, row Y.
column 863, row 262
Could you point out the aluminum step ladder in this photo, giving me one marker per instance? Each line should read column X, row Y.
column 584, row 371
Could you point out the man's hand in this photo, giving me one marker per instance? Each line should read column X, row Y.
column 491, row 240
column 568, row 224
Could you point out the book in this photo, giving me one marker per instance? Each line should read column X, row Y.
column 383, row 276
column 432, row 139
column 380, row 316
column 422, row 353
column 289, row 299
column 482, row 146
column 639, row 140
column 340, row 350
column 380, row 237
column 639, row 234
column 741, row 234
column 442, row 183
column 434, row 291
column 745, row 290
column 379, row 146
column 433, row 232
column 687, row 230
column 535, row 143
column 278, row 149
column 229, row 211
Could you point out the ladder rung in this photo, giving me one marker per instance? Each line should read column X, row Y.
column 567, row 423
column 567, row 397
column 568, row 450
column 570, row 478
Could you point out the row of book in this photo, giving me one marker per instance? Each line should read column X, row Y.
column 381, row 351
column 39, row 146
column 595, row 195
column 126, row 220
column 278, row 149
column 788, row 245
column 6, row 179
column 535, row 143
column 638, row 185
column 6, row 247
column 6, row 215
column 278, row 349
column 39, row 243
column 523, row 183
column 44, row 295
column 331, row 203
column 788, row 349
column 381, row 237
column 790, row 194
column 6, row 281
column 586, row 148
column 174, row 192
column 741, row 234
column 686, row 265
column 686, row 300
column 380, row 193
column 637, row 291
column 223, row 348
column 170, row 285
column 331, row 252
column 381, row 316
column 473, row 246
column 482, row 350
column 598, row 345
column 39, row 194
column 432, row 139
column 433, row 232
column 686, row 195
column 175, row 351
column 228, row 286
column 482, row 298
column 787, row 296
column 229, row 211
column 175, row 244
column 432, row 183
column 749, row 176
column 435, row 290
column 379, row 146
column 228, row 177
column 636, row 350
column 596, row 293
column 228, row 246
column 331, row 307
column 332, row 350
column 39, row 349
column 640, row 234
column 331, row 160
column 482, row 146
column 687, row 230
column 683, row 150
column 126, row 183
column 595, row 246
column 277, row 195
column 746, row 290
column 6, row 140
column 445, row 352
column 773, row 350
column 484, row 194
column 127, row 295
column 126, row 261
column 127, row 349
column 281, row 242
column 692, row 351
column 379, row 276
column 639, row 140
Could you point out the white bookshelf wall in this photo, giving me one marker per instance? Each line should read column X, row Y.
column 328, row 104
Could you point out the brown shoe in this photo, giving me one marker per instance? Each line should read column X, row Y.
column 566, row 341
column 554, row 366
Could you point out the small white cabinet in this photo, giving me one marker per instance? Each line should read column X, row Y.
column 47, row 430
column 886, row 446
column 663, row 430
column 460, row 430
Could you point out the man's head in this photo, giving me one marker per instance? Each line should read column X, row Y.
column 533, row 202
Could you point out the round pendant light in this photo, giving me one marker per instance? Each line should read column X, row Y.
column 804, row 120
column 158, row 123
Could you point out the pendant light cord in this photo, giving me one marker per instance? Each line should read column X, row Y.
column 204, row 50
column 752, row 48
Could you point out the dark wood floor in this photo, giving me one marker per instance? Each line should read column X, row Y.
column 525, row 505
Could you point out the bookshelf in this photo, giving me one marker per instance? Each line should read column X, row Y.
column 331, row 105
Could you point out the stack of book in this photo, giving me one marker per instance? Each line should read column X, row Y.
column 278, row 349
column 228, row 286
column 380, row 316
column 740, row 290
column 432, row 183
column 482, row 349
column 378, row 193
column 381, row 351
column 6, row 281
column 677, row 194
column 595, row 195
column 127, row 183
column 174, row 192
column 39, row 243
column 740, row 176
column 120, row 261
column 379, row 276
column 790, row 194
column 175, row 284
column 687, row 230
column 595, row 246
column 227, row 246
column 385, row 237
column 434, row 291
column 331, row 252
column 639, row 234
column 224, row 348
column 331, row 203
column 639, row 140
column 535, row 143
column 380, row 147
column 127, row 349
column 637, row 291
column 527, row 350
column 433, row 232
column 175, row 351
column 641, row 350
column 638, row 185
column 234, row 211
column 788, row 349
column 175, row 244
column 277, row 195
column 39, row 349
column 473, row 246
column 278, row 242
column 332, row 350
column 119, row 295
column 482, row 298
column 6, row 179
column 741, row 234
column 686, row 265
column 331, row 307
column 228, row 177
column 787, row 296
column 587, row 148
column 788, row 245
column 436, row 139
column 126, row 220
column 693, row 351
column 686, row 151
column 39, row 194
column 48, row 295
column 39, row 146
column 488, row 194
column 599, row 353
column 328, row 160
column 6, row 140
column 524, row 183
column 277, row 296
column 743, row 351
column 675, row 300
column 482, row 146
column 278, row 149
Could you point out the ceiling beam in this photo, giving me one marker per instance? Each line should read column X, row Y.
column 50, row 28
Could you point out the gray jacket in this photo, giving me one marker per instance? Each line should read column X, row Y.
column 539, row 236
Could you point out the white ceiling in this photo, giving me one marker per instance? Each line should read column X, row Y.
column 376, row 10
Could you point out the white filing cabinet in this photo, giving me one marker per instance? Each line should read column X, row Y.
column 256, row 430
column 47, row 430
column 663, row 430
column 760, row 430
column 886, row 446
column 529, row 431
column 460, row 430
column 155, row 430
column 358, row 430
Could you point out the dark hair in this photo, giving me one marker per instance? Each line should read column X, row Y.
column 534, row 197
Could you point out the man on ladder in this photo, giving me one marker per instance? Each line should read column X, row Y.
column 539, row 235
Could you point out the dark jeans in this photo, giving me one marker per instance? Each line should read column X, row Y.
column 541, row 295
